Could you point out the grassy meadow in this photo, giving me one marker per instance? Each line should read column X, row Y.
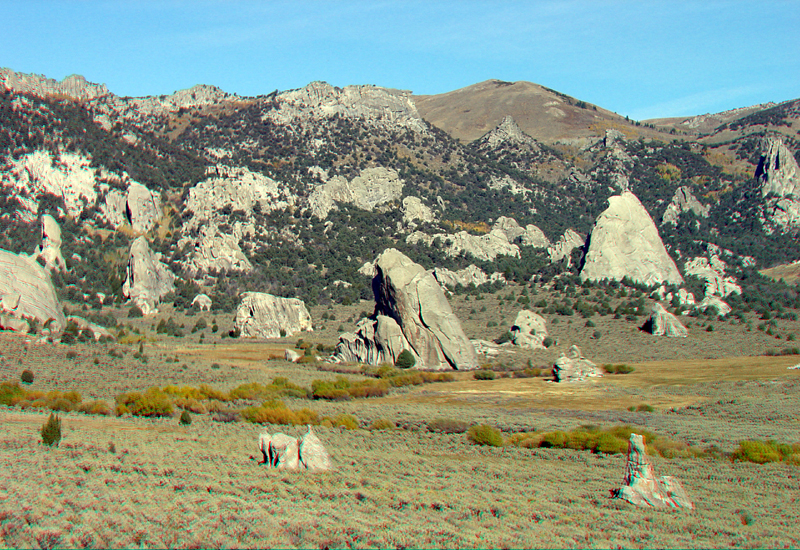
column 143, row 482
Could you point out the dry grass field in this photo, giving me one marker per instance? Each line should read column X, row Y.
column 150, row 482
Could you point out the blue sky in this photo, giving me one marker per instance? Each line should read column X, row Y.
column 643, row 59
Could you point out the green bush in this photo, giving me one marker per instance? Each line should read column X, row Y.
column 51, row 431
column 276, row 412
column 548, row 341
column 186, row 418
column 405, row 360
column 759, row 452
column 618, row 369
column 153, row 403
column 346, row 421
column 135, row 311
column 485, row 435
column 382, row 424
column 11, row 393
column 484, row 374
column 27, row 376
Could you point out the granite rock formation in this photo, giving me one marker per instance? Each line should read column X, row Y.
column 625, row 243
column 663, row 323
column 411, row 312
column 50, row 249
column 372, row 188
column 529, row 330
column 139, row 207
column 148, row 279
column 261, row 315
column 415, row 211
column 574, row 367
column 641, row 487
column 684, row 201
column 563, row 248
column 288, row 453
column 27, row 292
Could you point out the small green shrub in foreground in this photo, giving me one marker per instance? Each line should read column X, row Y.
column 186, row 418
column 27, row 376
column 51, row 431
column 448, row 426
column 382, row 424
column 405, row 360
column 485, row 435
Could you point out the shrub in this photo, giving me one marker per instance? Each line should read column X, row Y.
column 448, row 426
column 618, row 369
column 346, row 421
column 276, row 412
column 382, row 424
column 186, row 418
column 11, row 393
column 405, row 360
column 610, row 443
column 135, row 311
column 644, row 407
column 548, row 341
column 226, row 416
column 759, row 452
column 557, row 440
column 484, row 374
column 51, row 431
column 153, row 403
column 485, row 435
column 95, row 407
column 27, row 376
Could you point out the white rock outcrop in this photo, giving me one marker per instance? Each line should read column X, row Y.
column 574, row 367
column 529, row 330
column 415, row 211
column 779, row 176
column 506, row 133
column 777, row 170
column 470, row 275
column 213, row 250
column 372, row 188
column 203, row 302
column 481, row 247
column 684, row 201
column 148, row 279
column 138, row 206
column 381, row 107
column 27, row 292
column 50, row 249
column 411, row 313
column 625, row 243
column 713, row 272
column 73, row 86
column 530, row 235
column 563, row 248
column 663, row 323
column 262, row 315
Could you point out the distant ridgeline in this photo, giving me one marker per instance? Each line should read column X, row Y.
column 292, row 193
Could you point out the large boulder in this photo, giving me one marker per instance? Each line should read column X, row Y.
column 261, row 315
column 663, row 323
column 713, row 271
column 414, row 211
column 138, row 206
column 529, row 330
column 625, row 243
column 27, row 292
column 574, row 367
column 411, row 312
column 284, row 452
column 203, row 302
column 148, row 279
column 313, row 455
column 641, row 487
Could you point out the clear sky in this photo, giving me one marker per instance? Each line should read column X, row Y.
column 643, row 58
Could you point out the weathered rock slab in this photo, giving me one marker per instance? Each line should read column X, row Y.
column 262, row 315
column 663, row 323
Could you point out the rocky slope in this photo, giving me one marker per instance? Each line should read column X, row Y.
column 291, row 193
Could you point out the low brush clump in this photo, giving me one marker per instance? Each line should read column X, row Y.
column 762, row 452
column 276, row 412
column 608, row 441
column 485, row 435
